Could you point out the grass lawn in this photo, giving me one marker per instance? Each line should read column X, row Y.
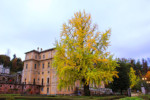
column 142, row 97
column 70, row 98
column 131, row 98
column 19, row 97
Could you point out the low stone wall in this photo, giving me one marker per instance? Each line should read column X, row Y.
column 19, row 89
column 134, row 94
column 94, row 92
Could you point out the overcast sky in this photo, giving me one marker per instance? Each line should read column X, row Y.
column 28, row 24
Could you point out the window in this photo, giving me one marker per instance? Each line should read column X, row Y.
column 47, row 90
column 43, row 65
column 41, row 89
column 25, row 80
column 47, row 80
column 35, row 56
column 42, row 72
column 39, row 57
column 35, row 66
column 48, row 64
column 26, row 66
column 48, row 71
column 42, row 81
column 43, row 56
column 34, row 81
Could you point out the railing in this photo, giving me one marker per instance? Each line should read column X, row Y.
column 32, row 83
column 38, row 83
column 8, row 82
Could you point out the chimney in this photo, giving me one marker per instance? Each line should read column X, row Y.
column 41, row 49
column 37, row 48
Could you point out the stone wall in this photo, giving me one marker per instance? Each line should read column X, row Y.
column 19, row 89
column 99, row 91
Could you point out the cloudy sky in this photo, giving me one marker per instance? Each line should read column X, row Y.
column 28, row 24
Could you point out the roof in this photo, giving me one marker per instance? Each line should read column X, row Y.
column 39, row 51
column 32, row 51
column 47, row 50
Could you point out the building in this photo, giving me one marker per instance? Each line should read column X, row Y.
column 38, row 70
column 4, row 70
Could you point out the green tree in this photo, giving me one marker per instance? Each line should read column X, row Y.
column 5, row 60
column 133, row 78
column 127, row 76
column 121, row 83
column 82, row 54
column 16, row 64
column 145, row 66
column 139, row 68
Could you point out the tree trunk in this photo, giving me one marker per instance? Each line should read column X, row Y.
column 86, row 88
column 121, row 91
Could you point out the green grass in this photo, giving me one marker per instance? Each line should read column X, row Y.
column 10, row 95
column 142, row 97
column 18, row 97
column 131, row 98
column 145, row 97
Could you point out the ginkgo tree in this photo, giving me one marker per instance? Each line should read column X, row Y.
column 81, row 54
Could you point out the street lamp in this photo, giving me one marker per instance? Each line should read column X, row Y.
column 148, row 84
column 144, row 78
column 142, row 84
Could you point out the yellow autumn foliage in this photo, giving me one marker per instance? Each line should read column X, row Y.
column 133, row 78
column 82, row 53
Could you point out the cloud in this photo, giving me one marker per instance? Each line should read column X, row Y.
column 28, row 24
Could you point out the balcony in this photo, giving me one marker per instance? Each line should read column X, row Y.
column 37, row 83
column 33, row 83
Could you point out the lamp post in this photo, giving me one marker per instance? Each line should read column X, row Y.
column 142, row 85
column 148, row 82
column 144, row 78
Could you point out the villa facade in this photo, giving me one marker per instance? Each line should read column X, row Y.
column 38, row 70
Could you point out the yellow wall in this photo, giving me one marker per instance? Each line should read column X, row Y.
column 40, row 73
